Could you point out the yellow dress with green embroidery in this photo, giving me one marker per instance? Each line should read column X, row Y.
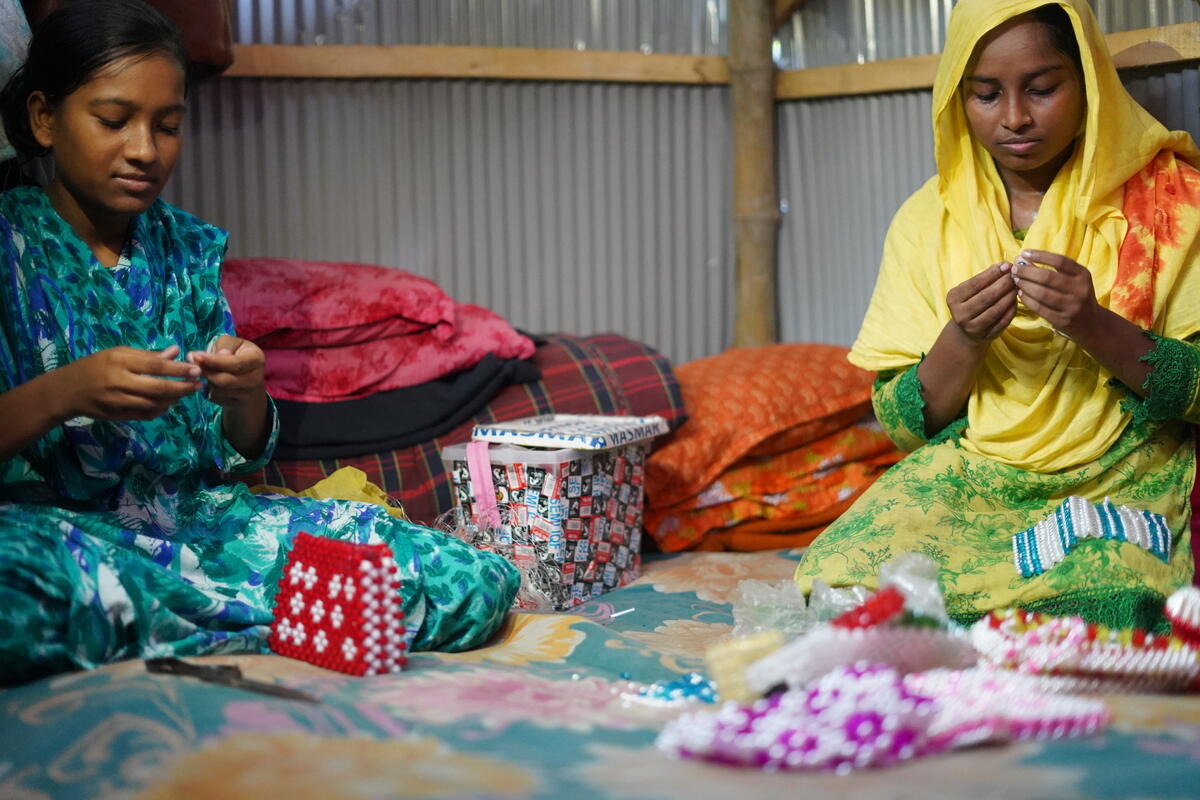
column 1044, row 420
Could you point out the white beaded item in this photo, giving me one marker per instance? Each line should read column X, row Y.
column 1040, row 548
column 906, row 649
column 1085, row 657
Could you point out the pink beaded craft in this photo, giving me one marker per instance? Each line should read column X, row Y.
column 338, row 606
column 871, row 716
column 1080, row 656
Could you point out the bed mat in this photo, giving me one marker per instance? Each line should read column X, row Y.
column 546, row 710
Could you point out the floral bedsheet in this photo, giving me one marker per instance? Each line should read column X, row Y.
column 550, row 709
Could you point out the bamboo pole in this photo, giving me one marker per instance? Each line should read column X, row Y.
column 755, row 193
column 784, row 9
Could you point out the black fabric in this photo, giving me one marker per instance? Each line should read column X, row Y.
column 13, row 175
column 206, row 26
column 395, row 419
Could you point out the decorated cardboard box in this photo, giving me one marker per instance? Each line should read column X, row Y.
column 568, row 499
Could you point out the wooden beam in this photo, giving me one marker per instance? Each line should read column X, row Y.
column 1170, row 44
column 500, row 63
column 784, row 9
column 893, row 75
column 755, row 188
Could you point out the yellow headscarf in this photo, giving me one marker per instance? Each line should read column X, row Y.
column 1039, row 401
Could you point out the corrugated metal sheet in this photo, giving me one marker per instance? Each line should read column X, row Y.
column 563, row 207
column 658, row 26
column 828, row 32
column 846, row 165
column 577, row 208
column 583, row 207
column 823, row 32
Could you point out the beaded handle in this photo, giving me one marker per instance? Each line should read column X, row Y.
column 480, row 468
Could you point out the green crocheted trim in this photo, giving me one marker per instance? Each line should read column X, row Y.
column 891, row 414
column 907, row 403
column 907, row 406
column 1115, row 608
column 1171, row 385
column 953, row 431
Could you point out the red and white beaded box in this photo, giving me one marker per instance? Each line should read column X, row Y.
column 338, row 606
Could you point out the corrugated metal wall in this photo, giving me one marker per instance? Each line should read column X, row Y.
column 846, row 164
column 848, row 31
column 659, row 26
column 581, row 207
column 563, row 207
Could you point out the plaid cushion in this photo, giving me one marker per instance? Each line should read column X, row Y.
column 605, row 374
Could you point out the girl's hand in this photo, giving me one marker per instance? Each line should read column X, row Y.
column 124, row 383
column 234, row 371
column 1063, row 295
column 984, row 305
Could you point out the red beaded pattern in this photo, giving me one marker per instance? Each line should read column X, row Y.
column 338, row 606
column 884, row 605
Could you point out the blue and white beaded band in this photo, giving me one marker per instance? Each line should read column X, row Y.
column 1039, row 548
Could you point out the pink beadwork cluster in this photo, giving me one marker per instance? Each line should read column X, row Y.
column 872, row 716
column 853, row 717
column 338, row 606
column 882, row 683
column 1082, row 656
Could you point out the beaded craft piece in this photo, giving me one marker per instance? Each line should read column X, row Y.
column 1183, row 610
column 728, row 660
column 906, row 648
column 886, row 605
column 1041, row 547
column 870, row 716
column 1081, row 656
column 981, row 705
column 691, row 686
column 338, row 606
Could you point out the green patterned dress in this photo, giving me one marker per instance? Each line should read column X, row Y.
column 962, row 509
column 119, row 539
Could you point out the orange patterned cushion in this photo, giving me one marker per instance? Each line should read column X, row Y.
column 739, row 399
column 805, row 488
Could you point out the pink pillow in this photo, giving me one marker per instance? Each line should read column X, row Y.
column 326, row 374
column 279, row 302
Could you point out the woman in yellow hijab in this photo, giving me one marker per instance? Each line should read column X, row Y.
column 1033, row 327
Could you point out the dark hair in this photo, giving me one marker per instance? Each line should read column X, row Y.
column 1062, row 34
column 70, row 45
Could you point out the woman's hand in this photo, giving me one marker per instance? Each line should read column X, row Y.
column 124, row 383
column 1063, row 295
column 234, row 371
column 982, row 306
